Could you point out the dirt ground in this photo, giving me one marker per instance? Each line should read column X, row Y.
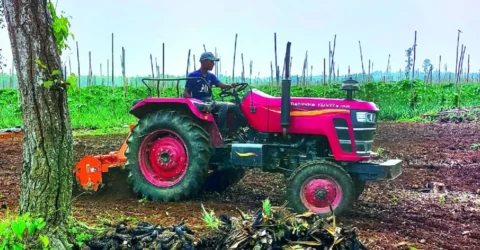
column 389, row 215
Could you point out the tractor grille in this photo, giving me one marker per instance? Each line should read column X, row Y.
column 363, row 132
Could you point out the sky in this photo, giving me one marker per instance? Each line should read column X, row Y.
column 383, row 26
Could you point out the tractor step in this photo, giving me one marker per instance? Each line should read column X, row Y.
column 375, row 171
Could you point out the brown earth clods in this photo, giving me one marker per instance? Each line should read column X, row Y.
column 398, row 214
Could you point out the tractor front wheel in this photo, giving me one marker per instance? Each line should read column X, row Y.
column 167, row 156
column 316, row 185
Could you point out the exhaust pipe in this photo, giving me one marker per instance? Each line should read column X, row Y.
column 286, row 83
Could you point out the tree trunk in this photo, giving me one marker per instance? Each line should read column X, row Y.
column 46, row 184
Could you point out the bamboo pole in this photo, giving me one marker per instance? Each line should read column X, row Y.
column 113, row 64
column 456, row 62
column 101, row 75
column 468, row 67
column 243, row 69
column 125, row 89
column 271, row 73
column 329, row 62
column 324, row 76
column 151, row 65
column 78, row 67
column 234, row 54
column 89, row 79
column 276, row 62
column 333, row 55
column 251, row 69
column 361, row 59
column 414, row 56
column 439, row 68
column 188, row 63
column 216, row 68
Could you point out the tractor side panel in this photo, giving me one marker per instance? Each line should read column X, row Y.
column 149, row 105
column 255, row 110
column 319, row 121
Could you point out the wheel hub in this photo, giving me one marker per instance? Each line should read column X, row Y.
column 164, row 160
column 167, row 158
column 318, row 193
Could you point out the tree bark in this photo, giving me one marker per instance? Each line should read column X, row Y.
column 47, row 176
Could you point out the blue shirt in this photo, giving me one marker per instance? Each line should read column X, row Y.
column 198, row 87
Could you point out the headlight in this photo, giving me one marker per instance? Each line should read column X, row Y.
column 366, row 117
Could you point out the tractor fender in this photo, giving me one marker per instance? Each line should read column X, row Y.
column 191, row 105
column 149, row 105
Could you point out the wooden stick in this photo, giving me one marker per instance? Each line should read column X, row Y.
column 324, row 75
column 361, row 59
column 234, row 53
column 151, row 65
column 251, row 69
column 329, row 62
column 271, row 73
column 414, row 55
column 78, row 67
column 333, row 54
column 439, row 68
column 456, row 62
column 277, row 75
column 89, row 78
column 468, row 67
column 243, row 69
column 113, row 67
column 101, row 75
column 123, row 73
column 188, row 63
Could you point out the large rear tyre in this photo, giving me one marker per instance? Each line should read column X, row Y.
column 315, row 185
column 167, row 156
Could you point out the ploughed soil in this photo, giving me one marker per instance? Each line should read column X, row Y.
column 398, row 214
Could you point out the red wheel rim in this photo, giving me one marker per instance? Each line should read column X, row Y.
column 163, row 158
column 318, row 191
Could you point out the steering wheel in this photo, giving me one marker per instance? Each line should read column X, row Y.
column 239, row 87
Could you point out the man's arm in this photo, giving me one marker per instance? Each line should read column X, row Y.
column 187, row 91
column 222, row 85
column 225, row 86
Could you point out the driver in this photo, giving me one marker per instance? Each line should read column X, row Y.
column 196, row 88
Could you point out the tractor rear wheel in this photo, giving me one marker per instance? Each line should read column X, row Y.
column 315, row 185
column 167, row 156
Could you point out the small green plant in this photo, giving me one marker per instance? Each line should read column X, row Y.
column 143, row 200
column 80, row 236
column 210, row 218
column 267, row 207
column 441, row 199
column 16, row 230
column 475, row 146
column 380, row 151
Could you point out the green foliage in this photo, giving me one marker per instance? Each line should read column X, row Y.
column 16, row 230
column 60, row 28
column 97, row 107
column 209, row 218
column 266, row 205
column 81, row 235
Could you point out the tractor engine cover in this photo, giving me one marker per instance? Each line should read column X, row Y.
column 247, row 155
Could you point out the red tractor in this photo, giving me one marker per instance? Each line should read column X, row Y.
column 323, row 147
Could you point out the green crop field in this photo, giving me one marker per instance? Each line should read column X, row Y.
column 96, row 107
